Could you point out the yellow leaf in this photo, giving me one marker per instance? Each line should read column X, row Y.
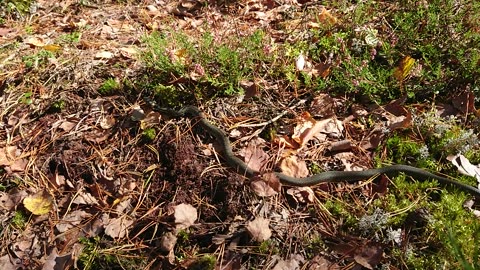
column 326, row 17
column 39, row 203
column 403, row 69
column 52, row 47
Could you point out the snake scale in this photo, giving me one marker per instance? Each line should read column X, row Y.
column 324, row 177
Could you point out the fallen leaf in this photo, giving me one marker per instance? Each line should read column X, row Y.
column 18, row 165
column 254, row 155
column 308, row 128
column 403, row 69
column 71, row 220
column 259, row 229
column 104, row 55
column 464, row 101
column 168, row 242
column 128, row 52
column 321, row 263
column 291, row 166
column 326, row 18
column 302, row 194
column 465, row 167
column 35, row 41
column 291, row 264
column 185, row 216
column 285, row 141
column 52, row 47
column 107, row 122
column 118, row 227
column 7, row 263
column 5, row 31
column 300, row 62
column 6, row 201
column 368, row 255
column 251, row 88
column 67, row 125
column 39, row 203
column 85, row 198
column 266, row 185
column 57, row 262
column 8, row 155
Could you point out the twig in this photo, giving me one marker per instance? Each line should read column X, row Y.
column 276, row 117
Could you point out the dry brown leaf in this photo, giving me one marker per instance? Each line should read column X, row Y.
column 185, row 216
column 27, row 244
column 266, row 185
column 57, row 262
column 291, row 166
column 104, row 55
column 8, row 155
column 71, row 220
column 6, row 202
column 464, row 101
column 251, row 88
column 107, row 122
column 18, row 165
column 259, row 229
column 302, row 194
column 7, row 263
column 293, row 263
column 85, row 198
column 129, row 52
column 4, row 31
column 118, row 227
column 168, row 242
column 35, row 41
column 254, row 155
column 397, row 115
column 67, row 125
column 117, row 25
column 308, row 128
column 323, row 105
column 262, row 188
column 285, row 141
column 368, row 255
column 197, row 72
column 321, row 263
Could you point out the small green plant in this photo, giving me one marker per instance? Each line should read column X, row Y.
column 38, row 59
column 149, row 134
column 109, row 87
column 19, row 220
column 268, row 247
column 205, row 262
column 27, row 98
column 57, row 106
column 96, row 255
column 17, row 7
column 73, row 37
column 29, row 29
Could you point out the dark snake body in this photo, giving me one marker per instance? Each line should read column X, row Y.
column 324, row 177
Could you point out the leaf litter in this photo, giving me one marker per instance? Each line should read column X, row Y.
column 116, row 181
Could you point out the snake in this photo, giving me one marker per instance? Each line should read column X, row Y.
column 242, row 168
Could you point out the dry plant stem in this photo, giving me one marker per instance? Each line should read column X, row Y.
column 263, row 124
